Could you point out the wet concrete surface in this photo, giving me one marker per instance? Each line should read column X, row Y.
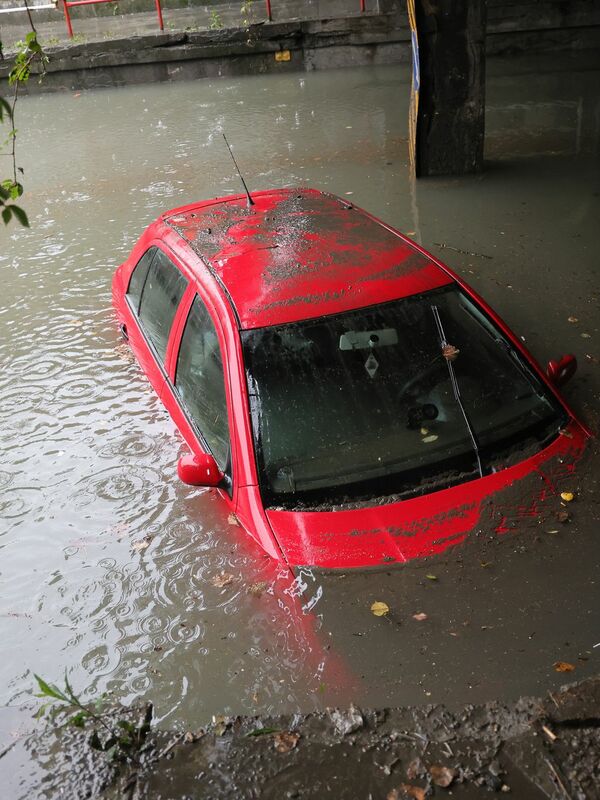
column 110, row 566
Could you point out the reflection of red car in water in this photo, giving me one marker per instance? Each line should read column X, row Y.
column 352, row 399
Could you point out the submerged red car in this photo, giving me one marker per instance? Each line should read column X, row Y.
column 354, row 402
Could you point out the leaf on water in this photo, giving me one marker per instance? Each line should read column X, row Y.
column 563, row 515
column 232, row 519
column 567, row 496
column 223, row 579
column 380, row 609
column 586, row 336
column 142, row 544
column 262, row 732
column 433, row 437
column 431, row 577
column 257, row 588
column 442, row 776
column 563, row 666
column 420, row 617
column 572, row 319
column 285, row 741
column 407, row 790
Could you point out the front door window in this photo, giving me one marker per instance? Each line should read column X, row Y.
column 200, row 383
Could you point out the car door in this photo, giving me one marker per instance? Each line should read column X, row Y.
column 195, row 392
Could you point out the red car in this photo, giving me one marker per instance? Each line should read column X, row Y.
column 354, row 402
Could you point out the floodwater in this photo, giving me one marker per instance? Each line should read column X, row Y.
column 109, row 565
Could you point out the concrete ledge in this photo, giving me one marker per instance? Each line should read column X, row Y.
column 207, row 54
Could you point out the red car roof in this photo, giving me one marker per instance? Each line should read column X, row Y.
column 301, row 253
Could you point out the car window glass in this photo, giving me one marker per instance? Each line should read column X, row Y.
column 138, row 278
column 199, row 381
column 161, row 295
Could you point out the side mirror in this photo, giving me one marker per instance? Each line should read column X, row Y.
column 561, row 371
column 199, row 470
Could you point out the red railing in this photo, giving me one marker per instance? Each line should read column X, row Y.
column 67, row 4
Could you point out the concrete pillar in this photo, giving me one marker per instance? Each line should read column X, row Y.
column 451, row 112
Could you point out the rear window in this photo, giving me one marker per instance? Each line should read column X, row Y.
column 138, row 279
column 160, row 296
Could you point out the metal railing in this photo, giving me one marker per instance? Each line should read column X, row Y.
column 67, row 4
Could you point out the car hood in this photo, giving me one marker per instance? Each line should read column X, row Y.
column 414, row 528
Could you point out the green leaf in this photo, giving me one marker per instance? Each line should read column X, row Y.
column 5, row 109
column 111, row 753
column 72, row 697
column 45, row 688
column 95, row 741
column 78, row 720
column 262, row 732
column 6, row 214
column 20, row 215
column 42, row 709
column 127, row 726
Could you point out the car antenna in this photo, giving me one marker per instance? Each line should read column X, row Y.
column 250, row 200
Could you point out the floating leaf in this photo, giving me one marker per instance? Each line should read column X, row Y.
column 407, row 790
column 563, row 666
column 285, row 741
column 420, row 617
column 262, row 732
column 142, row 544
column 257, row 588
column 433, row 437
column 431, row 577
column 223, row 579
column 442, row 776
column 567, row 496
column 380, row 609
column 572, row 319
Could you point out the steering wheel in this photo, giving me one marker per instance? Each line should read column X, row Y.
column 421, row 376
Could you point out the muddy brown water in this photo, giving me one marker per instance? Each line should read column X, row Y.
column 107, row 561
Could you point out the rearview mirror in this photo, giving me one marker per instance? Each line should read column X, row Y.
column 199, row 470
column 561, row 371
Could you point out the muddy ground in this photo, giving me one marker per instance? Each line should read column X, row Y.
column 534, row 748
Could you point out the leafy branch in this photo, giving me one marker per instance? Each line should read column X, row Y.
column 29, row 52
column 120, row 740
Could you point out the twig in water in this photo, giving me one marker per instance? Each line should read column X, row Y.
column 170, row 746
column 557, row 778
column 445, row 246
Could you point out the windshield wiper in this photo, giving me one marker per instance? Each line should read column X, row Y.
column 450, row 353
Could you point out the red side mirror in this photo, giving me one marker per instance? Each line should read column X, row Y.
column 561, row 371
column 199, row 470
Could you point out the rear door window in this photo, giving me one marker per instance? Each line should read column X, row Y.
column 160, row 296
column 138, row 278
column 200, row 381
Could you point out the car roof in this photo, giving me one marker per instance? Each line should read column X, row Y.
column 301, row 253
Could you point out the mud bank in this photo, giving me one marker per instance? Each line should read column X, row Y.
column 533, row 748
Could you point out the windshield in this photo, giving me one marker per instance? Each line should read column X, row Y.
column 376, row 403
